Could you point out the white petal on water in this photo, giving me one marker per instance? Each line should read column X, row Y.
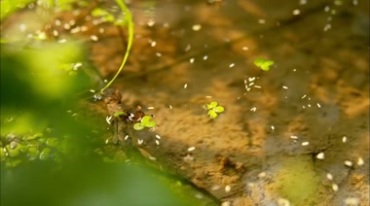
column 140, row 141
column 94, row 38
column 329, row 176
column 191, row 60
column 305, row 143
column 294, row 137
column 190, row 149
column 227, row 188
column 320, row 156
column 348, row 163
column 197, row 27
column 108, row 119
column 344, row 139
column 360, row 161
column 157, row 136
column 231, row 65
column 334, row 187
column 296, row 12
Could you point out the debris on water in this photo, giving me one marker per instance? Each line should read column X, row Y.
column 245, row 48
column 344, row 139
column 190, row 149
column 360, row 161
column 272, row 127
column 140, row 141
column 351, row 201
column 285, row 87
column 227, row 188
column 108, row 119
column 150, row 108
column 318, row 105
column 348, row 163
column 294, row 137
column 197, row 27
column 151, row 22
column 283, row 202
column 191, row 60
column 261, row 21
column 188, row 158
column 253, row 109
column 157, row 142
column 94, row 38
column 185, row 86
column 153, row 43
column 296, row 12
column 215, row 187
column 261, row 175
column 334, row 187
column 231, row 65
column 227, row 203
column 205, row 57
column 320, row 156
column 126, row 137
column 329, row 176
column 305, row 143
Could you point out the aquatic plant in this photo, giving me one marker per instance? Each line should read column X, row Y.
column 214, row 109
column 146, row 122
column 263, row 64
column 130, row 26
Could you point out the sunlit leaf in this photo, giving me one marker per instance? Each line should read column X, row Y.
column 263, row 64
column 138, row 126
column 219, row 109
column 212, row 114
column 212, row 105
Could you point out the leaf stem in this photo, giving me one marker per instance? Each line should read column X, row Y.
column 130, row 26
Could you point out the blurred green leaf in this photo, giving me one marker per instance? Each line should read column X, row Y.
column 264, row 64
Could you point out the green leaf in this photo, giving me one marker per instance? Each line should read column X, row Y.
column 263, row 64
column 99, row 12
column 138, row 126
column 148, row 121
column 212, row 114
column 212, row 105
column 45, row 153
column 219, row 109
column 52, row 142
column 119, row 113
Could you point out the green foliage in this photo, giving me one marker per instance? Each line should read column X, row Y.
column 146, row 122
column 214, row 109
column 263, row 64
column 130, row 26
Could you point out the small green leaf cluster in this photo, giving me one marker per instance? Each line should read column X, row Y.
column 146, row 122
column 106, row 16
column 16, row 149
column 214, row 109
column 263, row 64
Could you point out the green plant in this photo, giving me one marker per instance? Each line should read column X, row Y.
column 214, row 109
column 263, row 64
column 130, row 26
column 146, row 121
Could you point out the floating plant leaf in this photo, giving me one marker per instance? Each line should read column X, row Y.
column 138, row 126
column 45, row 153
column 148, row 121
column 212, row 114
column 211, row 105
column 263, row 64
column 214, row 109
column 219, row 109
column 119, row 113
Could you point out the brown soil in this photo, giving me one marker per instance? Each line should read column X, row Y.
column 317, row 91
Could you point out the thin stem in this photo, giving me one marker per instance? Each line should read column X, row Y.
column 130, row 26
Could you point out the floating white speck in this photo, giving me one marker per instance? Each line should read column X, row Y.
column 151, row 22
column 245, row 48
column 329, row 176
column 348, row 163
column 285, row 87
column 253, row 109
column 185, row 86
column 327, row 27
column 334, row 187
column 231, row 65
column 227, row 203
column 303, row 2
column 304, row 96
column 309, row 105
column 126, row 137
column 150, row 108
column 190, row 149
column 344, row 139
column 75, row 30
column 197, row 27
column 106, row 141
column 66, row 26
column 140, row 141
column 296, row 12
column 360, row 161
column 283, row 202
column 188, row 158
column 55, row 33
column 261, row 21
column 262, row 175
column 191, row 60
column 158, row 54
column 157, row 142
column 157, row 136
column 215, row 187
column 257, row 86
column 188, row 47
column 320, row 156
column 251, row 79
column 170, row 106
column 293, row 137
column 352, row 201
column 108, row 119
column 94, row 38
column 101, row 30
column 318, row 105
column 355, row 2
column 227, row 188
column 84, row 28
column 205, row 57
column 153, row 43
column 152, row 158
column 57, row 22
column 272, row 127
column 305, row 143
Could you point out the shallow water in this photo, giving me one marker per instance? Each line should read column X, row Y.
column 284, row 132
